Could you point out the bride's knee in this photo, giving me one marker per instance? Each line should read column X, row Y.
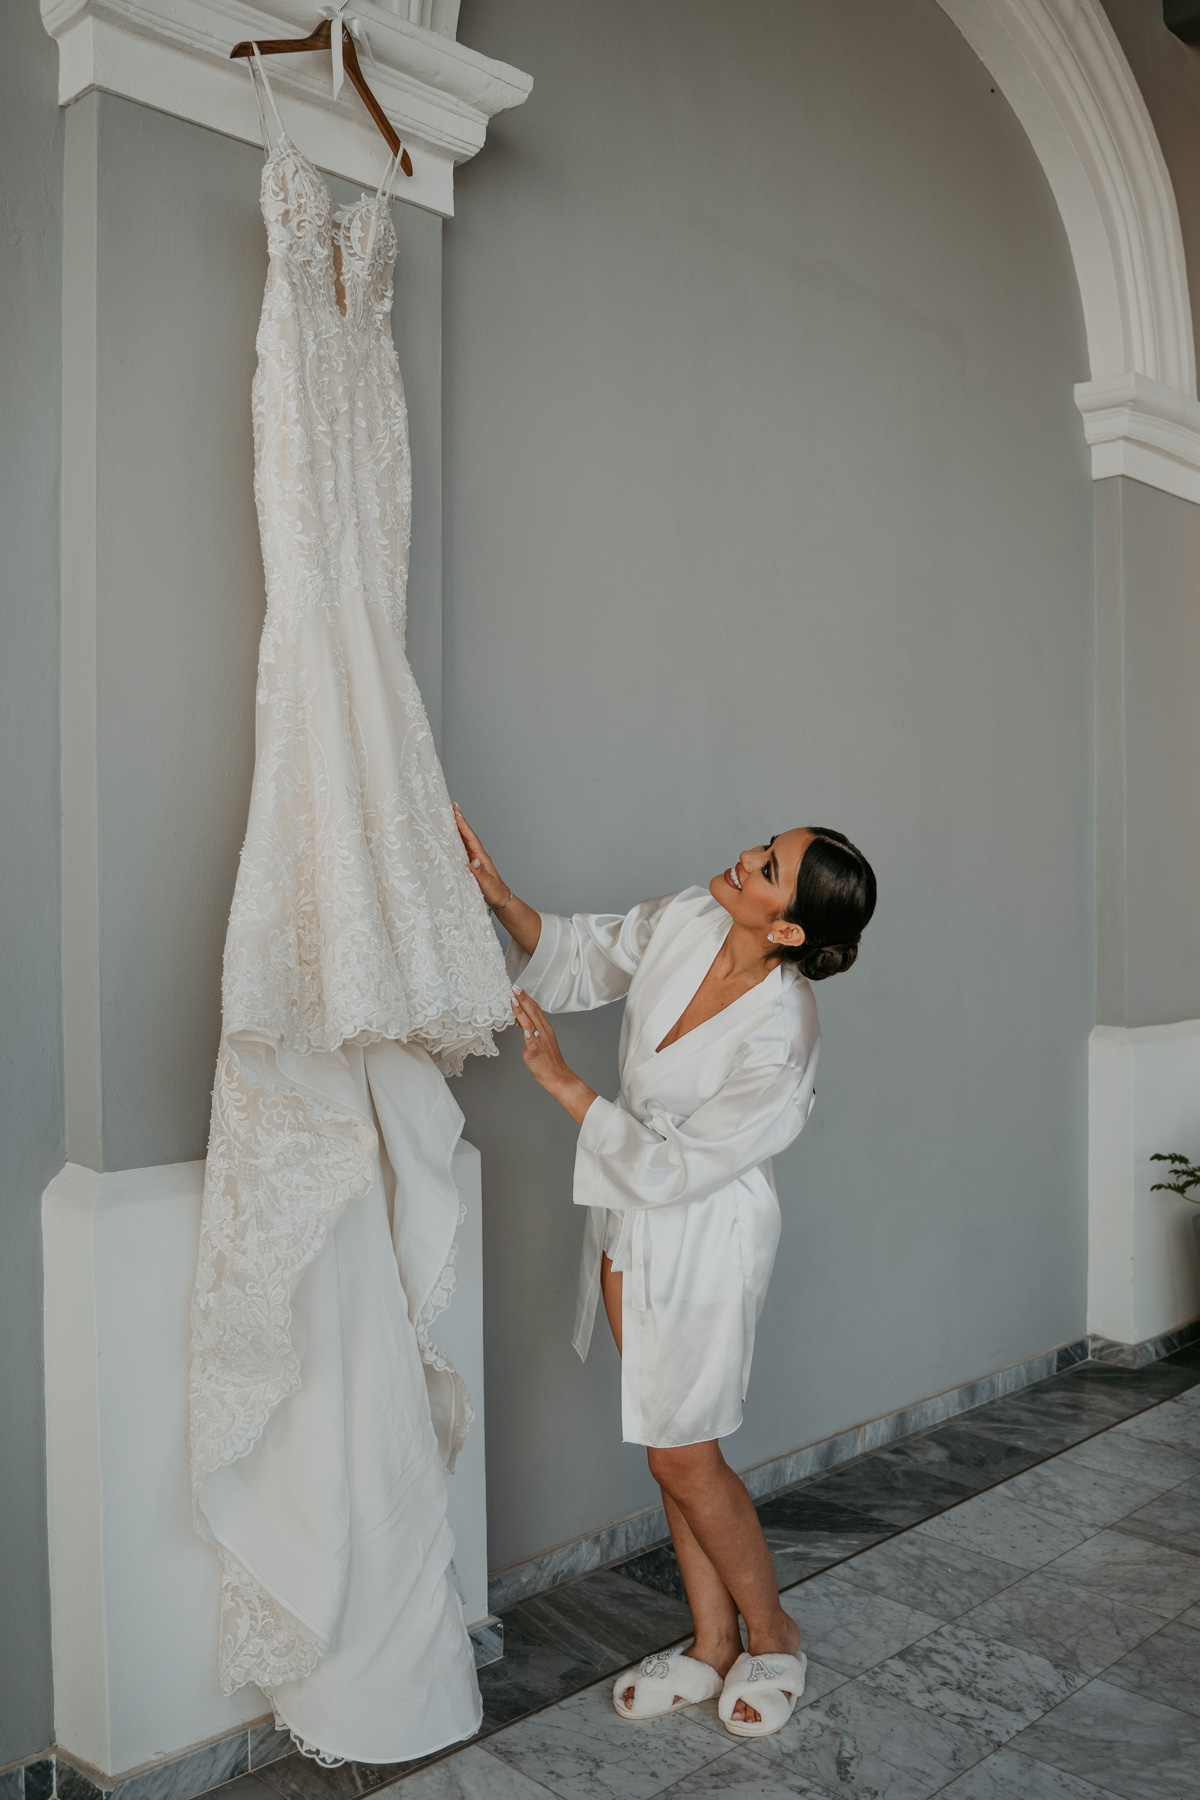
column 682, row 1471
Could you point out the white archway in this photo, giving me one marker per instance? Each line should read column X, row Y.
column 1063, row 72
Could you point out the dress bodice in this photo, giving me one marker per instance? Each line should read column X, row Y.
column 356, row 244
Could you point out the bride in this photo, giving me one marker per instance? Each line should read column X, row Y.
column 718, row 1053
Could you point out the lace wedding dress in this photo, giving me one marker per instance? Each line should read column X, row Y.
column 360, row 969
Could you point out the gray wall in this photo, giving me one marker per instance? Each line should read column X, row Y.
column 31, row 1121
column 179, row 590
column 1148, row 755
column 767, row 502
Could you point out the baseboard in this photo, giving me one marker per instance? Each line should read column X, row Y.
column 612, row 1543
column 1137, row 1356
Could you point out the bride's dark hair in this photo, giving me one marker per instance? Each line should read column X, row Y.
column 833, row 902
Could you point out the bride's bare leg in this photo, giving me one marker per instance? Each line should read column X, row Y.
column 723, row 1527
column 714, row 1614
column 699, row 1470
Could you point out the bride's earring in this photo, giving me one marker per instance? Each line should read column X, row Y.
column 770, row 937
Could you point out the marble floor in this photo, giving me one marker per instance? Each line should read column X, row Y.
column 1007, row 1605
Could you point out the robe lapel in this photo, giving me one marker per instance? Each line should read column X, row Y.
column 669, row 977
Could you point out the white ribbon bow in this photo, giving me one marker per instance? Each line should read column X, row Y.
column 354, row 25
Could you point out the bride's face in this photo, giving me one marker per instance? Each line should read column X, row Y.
column 762, row 882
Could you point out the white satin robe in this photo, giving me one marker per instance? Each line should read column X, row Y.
column 676, row 1173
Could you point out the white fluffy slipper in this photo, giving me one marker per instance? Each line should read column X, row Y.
column 657, row 1680
column 770, row 1684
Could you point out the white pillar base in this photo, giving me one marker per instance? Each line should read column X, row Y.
column 134, row 1592
column 1143, row 1096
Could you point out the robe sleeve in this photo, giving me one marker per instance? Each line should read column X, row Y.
column 585, row 961
column 622, row 1163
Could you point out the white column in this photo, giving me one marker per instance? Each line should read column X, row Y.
column 134, row 1592
column 1143, row 1097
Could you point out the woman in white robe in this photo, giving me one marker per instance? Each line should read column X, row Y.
column 718, row 1055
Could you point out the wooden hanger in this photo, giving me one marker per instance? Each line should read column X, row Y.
column 322, row 39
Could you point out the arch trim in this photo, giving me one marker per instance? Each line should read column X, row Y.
column 1063, row 72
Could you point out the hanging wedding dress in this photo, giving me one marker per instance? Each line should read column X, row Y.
column 360, row 968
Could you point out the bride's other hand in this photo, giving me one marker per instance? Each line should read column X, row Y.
column 544, row 1059
column 492, row 886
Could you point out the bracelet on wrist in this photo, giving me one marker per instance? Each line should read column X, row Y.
column 499, row 909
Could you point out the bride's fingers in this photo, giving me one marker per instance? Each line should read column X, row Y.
column 474, row 847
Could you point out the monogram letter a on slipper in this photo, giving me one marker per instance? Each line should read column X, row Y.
column 770, row 1684
column 663, row 1684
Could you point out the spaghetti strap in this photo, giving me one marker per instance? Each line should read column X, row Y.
column 384, row 190
column 257, row 74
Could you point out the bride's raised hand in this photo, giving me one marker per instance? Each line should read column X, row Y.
column 492, row 886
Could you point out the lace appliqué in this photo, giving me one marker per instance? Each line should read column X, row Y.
column 355, row 916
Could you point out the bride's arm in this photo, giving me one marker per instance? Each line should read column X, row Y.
column 523, row 925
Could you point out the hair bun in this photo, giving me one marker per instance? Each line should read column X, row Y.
column 817, row 962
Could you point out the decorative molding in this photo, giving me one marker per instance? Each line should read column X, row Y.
column 1061, row 68
column 174, row 55
column 1140, row 428
column 613, row 1543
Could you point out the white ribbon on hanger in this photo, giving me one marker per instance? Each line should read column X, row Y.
column 354, row 25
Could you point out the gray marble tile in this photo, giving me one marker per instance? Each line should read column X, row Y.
column 1072, row 1627
column 300, row 1778
column 39, row 1779
column 565, row 1639
column 1138, row 1458
column 185, row 1776
column 862, row 1743
column 583, row 1750
column 73, row 1784
column 487, row 1641
column 797, row 1555
column 1006, row 1529
column 990, row 1688
column 929, row 1574
column 1191, row 1617
column 742, row 1773
column 658, row 1569
column 1143, row 1386
column 1006, row 1775
column 1171, row 1424
column 849, row 1629
column 1161, row 1580
column 1133, row 1746
column 12, row 1784
column 1174, row 1518
column 1092, row 1496
column 811, row 1509
column 1048, row 1420
column 1164, row 1667
column 895, row 1488
column 959, row 1452
column 470, row 1774
column 246, row 1787
column 523, row 1580
column 268, row 1743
